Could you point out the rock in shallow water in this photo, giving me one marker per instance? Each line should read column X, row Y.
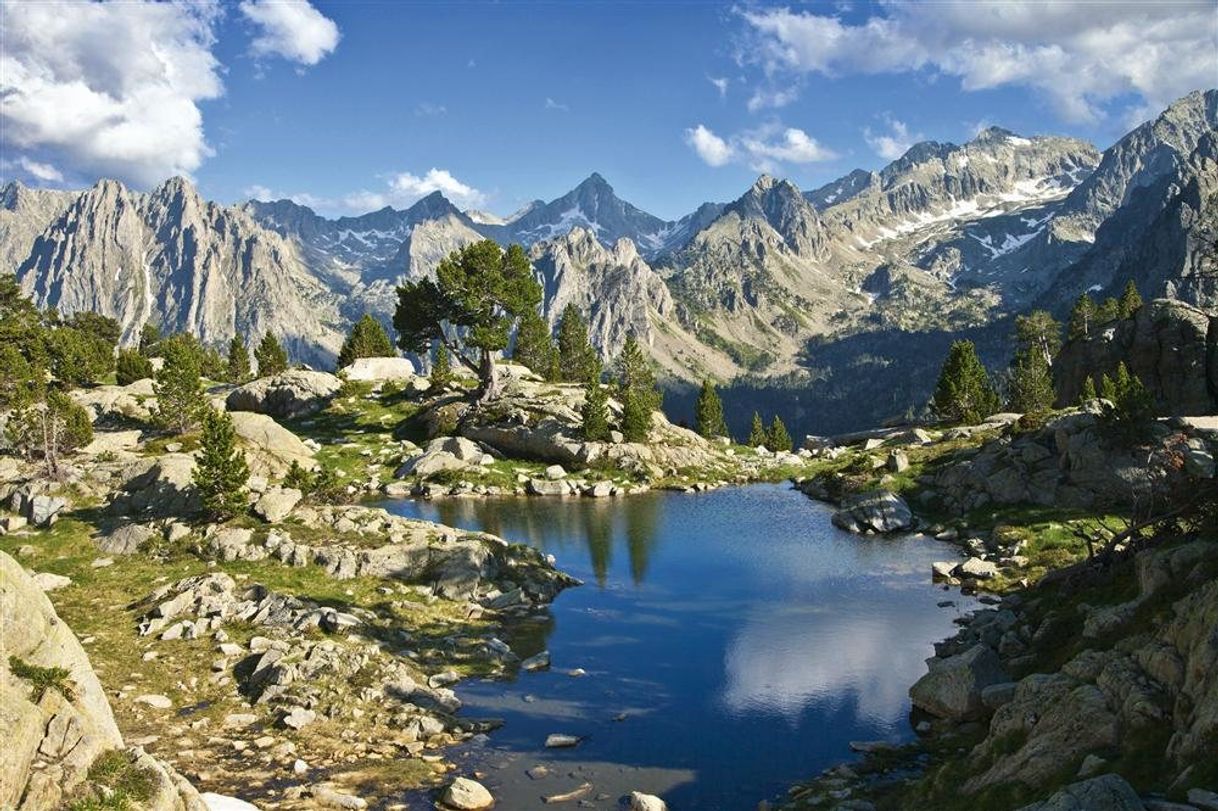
column 467, row 795
column 878, row 511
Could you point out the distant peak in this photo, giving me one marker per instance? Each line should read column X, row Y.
column 994, row 134
column 595, row 182
column 764, row 182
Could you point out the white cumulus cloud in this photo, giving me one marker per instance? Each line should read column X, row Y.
column 405, row 188
column 762, row 148
column 713, row 150
column 108, row 88
column 1078, row 56
column 892, row 144
column 292, row 29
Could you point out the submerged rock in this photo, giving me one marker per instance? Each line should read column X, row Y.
column 878, row 511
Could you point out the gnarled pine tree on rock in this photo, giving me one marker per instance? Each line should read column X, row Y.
column 479, row 293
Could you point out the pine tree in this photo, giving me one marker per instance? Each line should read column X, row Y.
column 212, row 365
column 708, row 414
column 1131, row 300
column 1108, row 311
column 777, row 438
column 1039, row 331
column 178, row 386
column 78, row 357
column 131, row 366
column 441, row 369
column 1031, row 383
column 964, row 392
column 238, row 360
column 1130, row 409
column 636, row 384
column 272, row 359
column 535, row 345
column 577, row 359
column 221, row 471
column 1088, row 393
column 150, row 336
column 595, row 411
column 757, row 434
column 368, row 339
column 1082, row 318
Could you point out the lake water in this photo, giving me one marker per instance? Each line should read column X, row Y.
column 734, row 642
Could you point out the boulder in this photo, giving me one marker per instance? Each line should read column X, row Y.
column 126, row 539
column 276, row 504
column 288, row 395
column 878, row 510
column 379, row 370
column 270, row 448
column 466, row 795
column 159, row 487
column 44, row 509
column 116, row 403
column 977, row 568
column 48, row 581
column 952, row 689
column 646, row 802
column 425, row 464
column 1109, row 792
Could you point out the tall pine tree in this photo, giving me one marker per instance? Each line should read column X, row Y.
column 1031, row 383
column 637, row 388
column 1131, row 300
column 178, row 385
column 708, row 413
column 757, row 434
column 535, row 345
column 238, row 360
column 272, row 360
column 777, row 437
column 368, row 339
column 964, row 392
column 595, row 411
column 577, row 358
column 221, row 471
column 1082, row 318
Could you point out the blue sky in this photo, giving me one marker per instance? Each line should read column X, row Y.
column 349, row 105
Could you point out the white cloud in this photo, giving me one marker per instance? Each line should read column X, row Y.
column 292, row 29
column 44, row 172
column 892, row 144
column 720, row 84
column 761, row 148
column 1079, row 56
column 405, row 188
column 260, row 193
column 108, row 88
column 772, row 97
column 551, row 104
column 713, row 150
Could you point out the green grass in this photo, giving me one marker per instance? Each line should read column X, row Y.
column 127, row 787
column 41, row 679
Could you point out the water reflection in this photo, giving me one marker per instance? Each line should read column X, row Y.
column 558, row 525
column 746, row 639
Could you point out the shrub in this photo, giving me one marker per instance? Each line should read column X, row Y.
column 131, row 366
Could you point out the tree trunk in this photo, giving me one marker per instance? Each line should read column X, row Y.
column 488, row 379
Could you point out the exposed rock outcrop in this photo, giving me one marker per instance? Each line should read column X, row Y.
column 1171, row 346
column 54, row 716
column 291, row 394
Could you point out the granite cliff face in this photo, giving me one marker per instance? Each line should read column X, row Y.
column 172, row 259
column 1171, row 346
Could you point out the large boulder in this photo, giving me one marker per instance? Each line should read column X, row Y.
column 288, row 395
column 379, row 370
column 878, row 511
column 1108, row 792
column 158, row 487
column 270, row 448
column 54, row 717
column 117, row 403
column 467, row 795
column 952, row 688
column 1167, row 343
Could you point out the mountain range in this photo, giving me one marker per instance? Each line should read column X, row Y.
column 835, row 290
